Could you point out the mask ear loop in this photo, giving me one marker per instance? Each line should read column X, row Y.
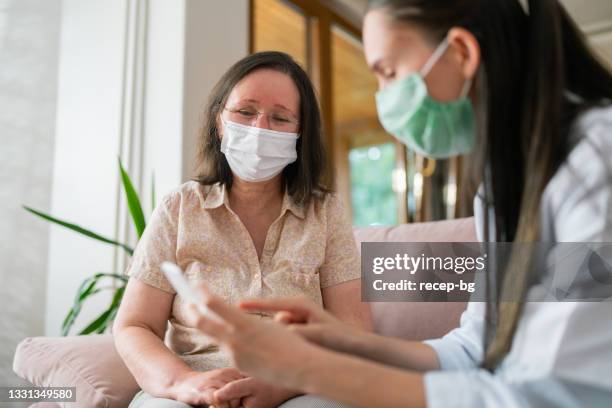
column 467, row 85
column 435, row 57
column 441, row 49
column 224, row 125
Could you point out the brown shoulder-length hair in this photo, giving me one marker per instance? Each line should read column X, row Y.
column 302, row 178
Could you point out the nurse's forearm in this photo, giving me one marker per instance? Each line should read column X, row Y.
column 361, row 383
column 412, row 355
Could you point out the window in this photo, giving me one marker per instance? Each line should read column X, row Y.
column 384, row 182
column 373, row 198
column 365, row 154
column 280, row 26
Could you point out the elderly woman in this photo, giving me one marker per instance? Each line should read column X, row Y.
column 256, row 222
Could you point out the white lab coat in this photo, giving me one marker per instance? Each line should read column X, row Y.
column 561, row 355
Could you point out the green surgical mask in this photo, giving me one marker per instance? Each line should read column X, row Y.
column 429, row 127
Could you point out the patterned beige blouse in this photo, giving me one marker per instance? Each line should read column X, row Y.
column 306, row 249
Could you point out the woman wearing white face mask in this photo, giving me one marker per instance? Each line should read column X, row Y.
column 255, row 222
column 538, row 121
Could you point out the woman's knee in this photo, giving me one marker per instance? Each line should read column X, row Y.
column 146, row 400
column 311, row 401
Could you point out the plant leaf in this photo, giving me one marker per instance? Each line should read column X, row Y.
column 100, row 324
column 116, row 303
column 83, row 292
column 133, row 201
column 67, row 323
column 93, row 326
column 87, row 289
column 79, row 229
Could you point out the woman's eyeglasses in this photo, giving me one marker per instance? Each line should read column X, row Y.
column 280, row 121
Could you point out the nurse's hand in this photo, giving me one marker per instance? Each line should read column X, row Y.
column 310, row 321
column 258, row 347
column 291, row 310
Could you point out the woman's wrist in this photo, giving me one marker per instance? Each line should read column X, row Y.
column 412, row 355
column 311, row 360
column 360, row 382
column 359, row 343
column 284, row 394
column 173, row 387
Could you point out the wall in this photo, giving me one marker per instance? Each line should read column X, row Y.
column 29, row 34
column 133, row 78
column 595, row 19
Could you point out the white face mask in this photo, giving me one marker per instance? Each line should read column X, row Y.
column 256, row 154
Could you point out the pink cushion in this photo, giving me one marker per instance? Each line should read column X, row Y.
column 418, row 320
column 459, row 230
column 89, row 363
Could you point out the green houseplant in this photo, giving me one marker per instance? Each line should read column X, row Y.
column 93, row 284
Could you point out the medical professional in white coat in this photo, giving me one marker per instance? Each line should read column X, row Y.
column 520, row 91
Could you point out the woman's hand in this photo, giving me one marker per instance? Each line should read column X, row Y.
column 198, row 388
column 258, row 347
column 254, row 393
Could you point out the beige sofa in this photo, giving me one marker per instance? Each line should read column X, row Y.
column 92, row 365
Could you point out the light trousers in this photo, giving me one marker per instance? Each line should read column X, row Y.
column 146, row 400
